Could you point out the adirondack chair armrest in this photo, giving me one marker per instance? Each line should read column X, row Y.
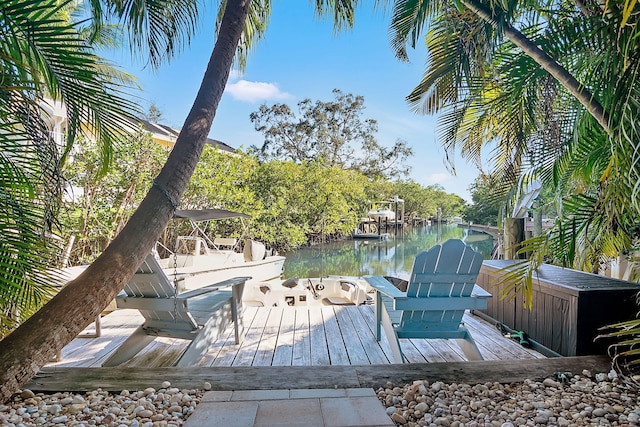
column 150, row 303
column 478, row 292
column 224, row 284
column 386, row 288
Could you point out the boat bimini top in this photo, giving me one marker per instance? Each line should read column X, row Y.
column 204, row 216
column 208, row 214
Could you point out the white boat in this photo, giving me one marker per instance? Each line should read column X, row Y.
column 330, row 290
column 381, row 214
column 386, row 210
column 200, row 261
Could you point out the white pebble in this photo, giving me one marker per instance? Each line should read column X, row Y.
column 579, row 400
column 146, row 413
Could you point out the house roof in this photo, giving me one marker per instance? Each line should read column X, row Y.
column 171, row 134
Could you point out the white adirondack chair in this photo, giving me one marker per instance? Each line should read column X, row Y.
column 441, row 287
column 200, row 315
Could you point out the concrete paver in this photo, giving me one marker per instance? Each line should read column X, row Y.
column 354, row 411
column 302, row 407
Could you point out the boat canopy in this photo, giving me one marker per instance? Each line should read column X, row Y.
column 208, row 214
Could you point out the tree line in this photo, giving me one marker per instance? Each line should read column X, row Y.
column 290, row 202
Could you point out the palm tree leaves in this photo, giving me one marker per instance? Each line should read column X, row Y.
column 494, row 92
column 45, row 63
column 254, row 28
column 50, row 57
column 30, row 190
column 408, row 18
column 156, row 29
column 342, row 11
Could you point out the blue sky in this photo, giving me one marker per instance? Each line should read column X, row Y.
column 302, row 57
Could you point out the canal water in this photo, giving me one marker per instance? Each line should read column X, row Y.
column 392, row 257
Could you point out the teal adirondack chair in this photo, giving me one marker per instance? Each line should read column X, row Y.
column 441, row 287
column 200, row 315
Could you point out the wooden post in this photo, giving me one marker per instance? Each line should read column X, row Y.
column 537, row 220
column 513, row 236
column 395, row 231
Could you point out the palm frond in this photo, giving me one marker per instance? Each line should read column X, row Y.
column 157, row 29
column 255, row 27
column 408, row 19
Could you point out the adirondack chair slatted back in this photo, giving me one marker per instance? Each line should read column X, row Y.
column 445, row 271
column 150, row 281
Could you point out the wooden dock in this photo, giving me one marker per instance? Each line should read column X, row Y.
column 315, row 347
column 291, row 336
column 491, row 230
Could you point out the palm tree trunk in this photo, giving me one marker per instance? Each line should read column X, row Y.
column 582, row 94
column 35, row 342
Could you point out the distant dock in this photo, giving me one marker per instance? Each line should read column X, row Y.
column 371, row 236
column 491, row 230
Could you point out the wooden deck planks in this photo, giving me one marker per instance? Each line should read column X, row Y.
column 283, row 352
column 368, row 315
column 298, row 336
column 301, row 338
column 351, row 337
column 270, row 336
column 318, row 339
column 430, row 350
column 228, row 348
column 335, row 341
column 251, row 341
column 485, row 334
column 93, row 351
column 372, row 348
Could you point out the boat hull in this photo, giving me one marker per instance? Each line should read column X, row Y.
column 330, row 290
column 382, row 214
column 213, row 269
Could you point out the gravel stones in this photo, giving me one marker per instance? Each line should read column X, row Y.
column 566, row 400
column 164, row 407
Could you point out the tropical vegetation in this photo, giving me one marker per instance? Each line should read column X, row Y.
column 550, row 90
column 284, row 213
column 552, row 86
column 158, row 28
column 46, row 61
column 491, row 82
column 97, row 204
column 487, row 202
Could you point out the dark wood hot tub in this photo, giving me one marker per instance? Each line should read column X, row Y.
column 568, row 307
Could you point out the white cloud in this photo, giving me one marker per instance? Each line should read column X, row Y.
column 252, row 92
column 438, row 178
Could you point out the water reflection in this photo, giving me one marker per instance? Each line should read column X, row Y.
column 392, row 257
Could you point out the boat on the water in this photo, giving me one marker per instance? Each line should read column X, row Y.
column 381, row 214
column 294, row 292
column 199, row 260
